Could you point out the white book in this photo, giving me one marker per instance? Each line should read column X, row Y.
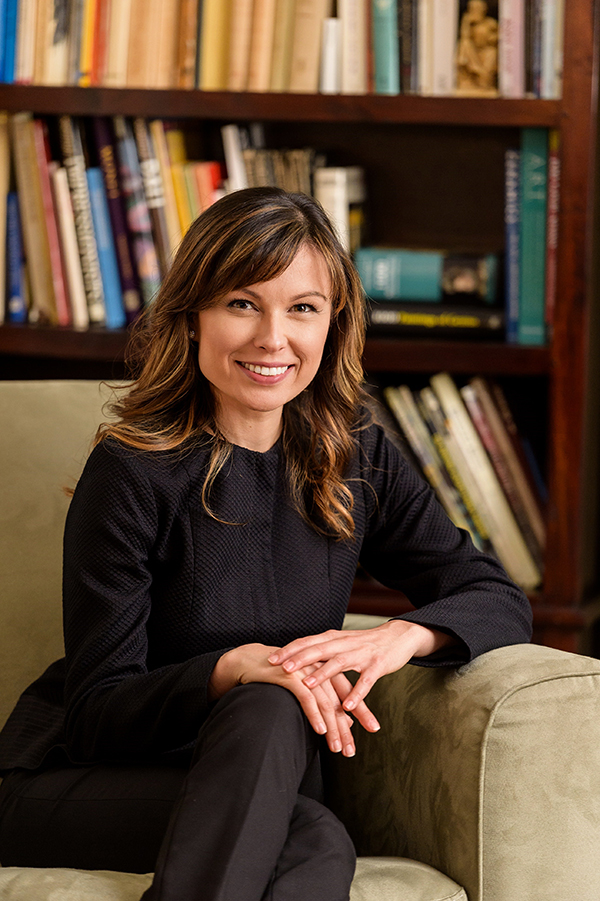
column 330, row 81
column 69, row 246
column 444, row 40
column 425, row 46
column 26, row 32
column 354, row 37
column 56, row 54
column 118, row 44
column 305, row 61
column 548, row 86
column 331, row 191
column 234, row 158
column 511, row 48
column 502, row 526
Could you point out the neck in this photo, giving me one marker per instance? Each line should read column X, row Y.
column 256, row 433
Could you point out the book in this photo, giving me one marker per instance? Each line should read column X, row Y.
column 193, row 193
column 261, row 45
column 488, row 438
column 115, row 75
column 186, row 44
column 16, row 289
column 494, row 508
column 403, row 406
column 330, row 76
column 63, row 313
column 136, row 210
column 33, row 218
column 88, row 30
column 512, row 242
column 4, row 187
column 69, row 247
column 100, row 42
column 74, row 162
column 165, row 65
column 552, row 214
column 548, row 74
column 533, row 177
column 234, row 159
column 240, row 37
column 283, row 36
column 75, row 37
column 113, row 298
column 341, row 192
column 25, row 42
column 511, row 48
column 142, row 15
column 436, row 320
column 214, row 57
column 56, row 53
column 406, row 35
column 427, row 275
column 306, row 45
column 154, row 193
column 178, row 160
column 423, row 47
column 159, row 142
column 386, row 46
column 354, row 37
column 209, row 177
column 10, row 41
column 443, row 46
column 106, row 157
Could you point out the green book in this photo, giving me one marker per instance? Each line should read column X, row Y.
column 386, row 46
column 534, row 179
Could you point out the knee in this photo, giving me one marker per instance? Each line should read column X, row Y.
column 260, row 703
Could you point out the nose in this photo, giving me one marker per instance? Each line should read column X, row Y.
column 270, row 335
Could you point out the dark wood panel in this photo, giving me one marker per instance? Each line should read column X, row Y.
column 298, row 107
column 63, row 344
column 419, row 355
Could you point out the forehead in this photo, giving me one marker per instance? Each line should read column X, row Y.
column 308, row 270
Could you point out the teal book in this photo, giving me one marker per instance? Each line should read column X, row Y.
column 395, row 274
column 534, row 184
column 386, row 53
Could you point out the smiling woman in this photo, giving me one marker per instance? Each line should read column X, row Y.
column 209, row 555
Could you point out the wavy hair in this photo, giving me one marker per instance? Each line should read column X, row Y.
column 248, row 237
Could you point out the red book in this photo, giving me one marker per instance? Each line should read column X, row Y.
column 100, row 45
column 63, row 310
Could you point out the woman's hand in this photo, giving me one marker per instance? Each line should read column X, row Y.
column 322, row 704
column 371, row 652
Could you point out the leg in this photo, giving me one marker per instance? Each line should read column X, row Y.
column 239, row 825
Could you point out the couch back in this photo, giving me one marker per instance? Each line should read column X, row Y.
column 46, row 430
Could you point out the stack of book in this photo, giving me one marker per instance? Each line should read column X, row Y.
column 466, row 443
column 354, row 46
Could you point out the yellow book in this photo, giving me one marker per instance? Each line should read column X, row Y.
column 306, row 46
column 159, row 141
column 214, row 45
column 181, row 196
column 238, row 50
column 261, row 46
column 283, row 36
column 191, row 183
column 87, row 43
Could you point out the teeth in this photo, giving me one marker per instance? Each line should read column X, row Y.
column 265, row 370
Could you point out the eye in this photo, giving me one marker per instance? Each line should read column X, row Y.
column 240, row 303
column 304, row 308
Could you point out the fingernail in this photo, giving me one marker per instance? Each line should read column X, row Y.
column 349, row 705
column 349, row 751
column 375, row 727
column 336, row 746
column 274, row 658
column 310, row 681
column 288, row 666
column 321, row 728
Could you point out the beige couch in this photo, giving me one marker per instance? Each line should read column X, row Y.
column 483, row 783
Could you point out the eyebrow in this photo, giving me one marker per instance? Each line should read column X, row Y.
column 295, row 297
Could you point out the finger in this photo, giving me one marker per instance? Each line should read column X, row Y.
column 341, row 663
column 362, row 712
column 299, row 644
column 347, row 650
column 339, row 735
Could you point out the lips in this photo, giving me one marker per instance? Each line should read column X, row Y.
column 264, row 370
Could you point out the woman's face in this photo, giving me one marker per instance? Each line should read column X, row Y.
column 261, row 345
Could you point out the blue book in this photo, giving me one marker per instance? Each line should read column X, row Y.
column 386, row 53
column 107, row 257
column 534, row 183
column 2, row 38
column 10, row 40
column 16, row 297
column 512, row 233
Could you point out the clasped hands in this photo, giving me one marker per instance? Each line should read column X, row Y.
column 313, row 668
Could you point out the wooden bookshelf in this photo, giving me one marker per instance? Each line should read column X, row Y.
column 434, row 171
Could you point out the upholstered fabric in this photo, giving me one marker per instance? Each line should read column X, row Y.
column 384, row 879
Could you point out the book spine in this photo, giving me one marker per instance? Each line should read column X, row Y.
column 63, row 312
column 437, row 319
column 283, row 37
column 155, row 195
column 37, row 252
column 138, row 218
column 100, row 42
column 118, row 44
column 74, row 163
column 331, row 191
column 386, row 49
column 405, row 44
column 164, row 74
column 552, row 226
column 26, row 31
column 548, row 50
column 511, row 48
column 159, row 143
column 69, row 247
column 16, row 303
column 444, row 38
column 108, row 164
column 396, row 274
column 353, row 15
column 424, row 46
column 234, row 159
column 534, row 178
column 261, row 45
column 87, row 42
column 186, row 48
column 10, row 41
column 75, row 38
column 330, row 79
column 512, row 237
column 306, row 45
column 4, row 188
column 57, row 49
column 115, row 311
column 214, row 59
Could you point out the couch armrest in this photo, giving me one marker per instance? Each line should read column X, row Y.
column 489, row 773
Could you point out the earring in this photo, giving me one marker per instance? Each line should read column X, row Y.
column 192, row 333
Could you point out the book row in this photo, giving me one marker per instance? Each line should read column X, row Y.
column 465, row 441
column 511, row 48
column 93, row 210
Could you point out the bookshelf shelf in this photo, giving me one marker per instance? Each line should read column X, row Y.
column 99, row 345
column 403, row 109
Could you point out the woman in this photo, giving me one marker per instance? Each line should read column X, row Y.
column 210, row 550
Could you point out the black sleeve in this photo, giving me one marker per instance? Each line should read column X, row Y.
column 412, row 546
column 115, row 706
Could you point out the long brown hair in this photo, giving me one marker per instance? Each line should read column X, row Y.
column 248, row 237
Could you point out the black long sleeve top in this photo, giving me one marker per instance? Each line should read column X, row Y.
column 155, row 589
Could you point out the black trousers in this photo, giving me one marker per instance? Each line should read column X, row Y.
column 242, row 823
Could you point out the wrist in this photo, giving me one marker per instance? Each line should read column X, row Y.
column 425, row 640
column 224, row 676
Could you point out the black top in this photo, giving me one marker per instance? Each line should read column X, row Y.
column 155, row 589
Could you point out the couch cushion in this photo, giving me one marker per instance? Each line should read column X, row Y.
column 376, row 879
